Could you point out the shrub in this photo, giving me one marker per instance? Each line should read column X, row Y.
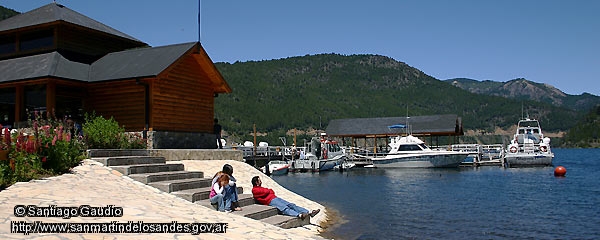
column 102, row 133
column 39, row 151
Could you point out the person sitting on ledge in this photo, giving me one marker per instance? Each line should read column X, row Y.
column 266, row 196
column 231, row 189
column 218, row 195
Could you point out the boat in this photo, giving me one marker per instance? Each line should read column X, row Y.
column 276, row 168
column 411, row 152
column 320, row 154
column 345, row 165
column 529, row 147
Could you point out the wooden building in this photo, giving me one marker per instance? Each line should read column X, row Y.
column 55, row 59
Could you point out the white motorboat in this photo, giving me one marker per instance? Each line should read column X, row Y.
column 321, row 154
column 529, row 146
column 411, row 152
column 276, row 168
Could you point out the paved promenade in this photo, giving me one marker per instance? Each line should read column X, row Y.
column 95, row 185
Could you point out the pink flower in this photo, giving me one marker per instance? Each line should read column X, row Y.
column 7, row 138
column 54, row 140
column 44, row 159
column 60, row 133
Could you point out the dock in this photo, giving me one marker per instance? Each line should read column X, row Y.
column 481, row 155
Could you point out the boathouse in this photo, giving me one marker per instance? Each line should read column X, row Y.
column 55, row 59
column 431, row 128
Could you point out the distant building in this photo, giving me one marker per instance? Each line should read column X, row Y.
column 433, row 126
column 55, row 59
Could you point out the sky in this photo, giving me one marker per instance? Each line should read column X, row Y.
column 556, row 42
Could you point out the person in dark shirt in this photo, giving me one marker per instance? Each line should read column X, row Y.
column 217, row 131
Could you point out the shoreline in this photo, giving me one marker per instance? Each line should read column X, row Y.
column 93, row 184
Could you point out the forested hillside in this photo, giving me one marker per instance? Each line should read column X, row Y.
column 307, row 92
column 587, row 131
column 6, row 13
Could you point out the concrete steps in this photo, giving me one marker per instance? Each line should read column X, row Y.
column 189, row 185
column 165, row 176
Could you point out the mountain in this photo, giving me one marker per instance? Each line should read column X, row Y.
column 6, row 13
column 522, row 89
column 306, row 92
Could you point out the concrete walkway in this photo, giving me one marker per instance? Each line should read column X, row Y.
column 98, row 186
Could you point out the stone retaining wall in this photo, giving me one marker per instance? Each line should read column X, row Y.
column 197, row 154
column 172, row 154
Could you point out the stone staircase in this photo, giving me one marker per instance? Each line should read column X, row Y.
column 189, row 185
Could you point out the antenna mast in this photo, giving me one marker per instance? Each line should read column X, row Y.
column 199, row 28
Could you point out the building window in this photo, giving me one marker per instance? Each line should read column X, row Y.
column 7, row 45
column 69, row 102
column 37, row 40
column 7, row 107
column 35, row 100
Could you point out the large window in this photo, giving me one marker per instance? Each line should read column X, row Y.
column 37, row 40
column 7, row 45
column 35, row 100
column 69, row 102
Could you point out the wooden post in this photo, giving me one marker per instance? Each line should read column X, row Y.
column 19, row 103
column 254, row 126
column 51, row 97
column 375, row 147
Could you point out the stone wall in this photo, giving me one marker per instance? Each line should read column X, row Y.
column 172, row 154
column 197, row 154
column 181, row 140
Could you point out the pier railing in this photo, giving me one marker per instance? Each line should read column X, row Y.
column 492, row 154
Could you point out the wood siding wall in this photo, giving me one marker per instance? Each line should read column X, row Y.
column 182, row 99
column 123, row 100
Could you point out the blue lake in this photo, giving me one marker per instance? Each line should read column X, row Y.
column 462, row 203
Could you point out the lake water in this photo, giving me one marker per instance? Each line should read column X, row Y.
column 462, row 203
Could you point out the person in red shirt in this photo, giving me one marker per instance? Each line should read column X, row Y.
column 266, row 196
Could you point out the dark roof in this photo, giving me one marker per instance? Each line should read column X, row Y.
column 142, row 62
column 42, row 65
column 55, row 12
column 449, row 124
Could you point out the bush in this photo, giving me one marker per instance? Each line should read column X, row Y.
column 39, row 151
column 101, row 133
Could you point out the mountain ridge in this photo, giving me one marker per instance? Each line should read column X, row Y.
column 521, row 88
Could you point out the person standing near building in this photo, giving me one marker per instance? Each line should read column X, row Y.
column 217, row 131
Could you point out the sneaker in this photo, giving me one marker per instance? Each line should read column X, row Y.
column 303, row 216
column 314, row 212
column 228, row 211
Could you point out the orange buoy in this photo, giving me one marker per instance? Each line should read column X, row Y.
column 560, row 171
